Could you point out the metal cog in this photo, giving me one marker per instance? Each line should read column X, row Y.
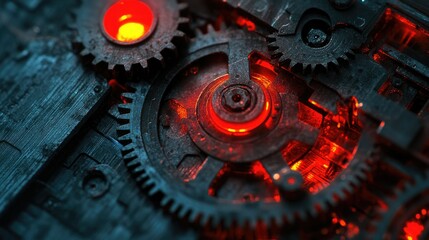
column 161, row 44
column 316, row 45
column 408, row 201
column 145, row 127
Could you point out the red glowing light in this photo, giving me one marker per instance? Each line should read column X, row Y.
column 243, row 22
column 241, row 128
column 128, row 21
column 413, row 230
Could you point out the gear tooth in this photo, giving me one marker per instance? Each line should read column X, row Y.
column 285, row 60
column 183, row 212
column 85, row 52
column 277, row 52
column 165, row 201
column 174, row 207
column 342, row 194
column 128, row 96
column 125, row 117
column 127, row 67
column 129, row 147
column 142, row 178
column 139, row 170
column 182, row 6
column 193, row 216
column 293, row 63
column 149, row 183
column 272, row 37
column 133, row 164
column 130, row 156
column 273, row 46
column 96, row 61
column 144, row 64
column 307, row 65
column 335, row 62
column 351, row 52
column 124, row 106
column 124, row 127
column 110, row 66
column 343, row 57
column 360, row 175
column 354, row 181
column 330, row 202
column 154, row 190
column 171, row 46
column 183, row 20
column 210, row 29
column 204, row 219
column 179, row 34
column 159, row 57
column 125, row 137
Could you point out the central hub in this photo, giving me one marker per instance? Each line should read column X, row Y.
column 234, row 119
column 239, row 109
column 316, row 33
column 236, row 99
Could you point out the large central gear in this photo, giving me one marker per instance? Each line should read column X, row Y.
column 225, row 139
column 162, row 28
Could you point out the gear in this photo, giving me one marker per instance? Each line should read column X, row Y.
column 405, row 216
column 316, row 45
column 223, row 144
column 130, row 34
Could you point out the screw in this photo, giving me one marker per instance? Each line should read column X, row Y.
column 236, row 99
column 317, row 38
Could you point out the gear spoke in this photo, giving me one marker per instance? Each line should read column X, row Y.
column 207, row 173
column 239, row 69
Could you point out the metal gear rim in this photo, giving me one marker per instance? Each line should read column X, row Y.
column 177, row 201
column 156, row 47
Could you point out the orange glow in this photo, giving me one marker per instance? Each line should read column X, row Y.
column 241, row 128
column 296, row 165
column 413, row 230
column 276, row 176
column 265, row 64
column 128, row 21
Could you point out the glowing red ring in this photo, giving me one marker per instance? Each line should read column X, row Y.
column 241, row 128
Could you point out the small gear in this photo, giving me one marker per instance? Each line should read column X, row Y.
column 316, row 45
column 185, row 140
column 406, row 215
column 130, row 35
